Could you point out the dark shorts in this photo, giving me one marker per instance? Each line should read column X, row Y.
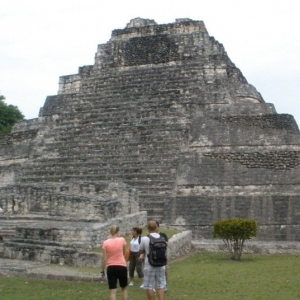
column 115, row 273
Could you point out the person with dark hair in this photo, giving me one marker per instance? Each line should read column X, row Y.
column 135, row 263
column 114, row 249
column 154, row 276
column 161, row 233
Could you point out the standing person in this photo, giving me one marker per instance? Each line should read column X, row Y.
column 161, row 233
column 134, row 262
column 154, row 276
column 167, row 240
column 113, row 258
column 1, row 213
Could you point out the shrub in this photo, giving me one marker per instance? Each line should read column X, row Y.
column 9, row 115
column 234, row 233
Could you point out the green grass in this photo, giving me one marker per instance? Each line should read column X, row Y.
column 201, row 276
column 88, row 270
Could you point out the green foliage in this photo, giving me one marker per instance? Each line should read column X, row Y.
column 234, row 233
column 9, row 115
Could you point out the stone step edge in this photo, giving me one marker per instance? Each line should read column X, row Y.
column 37, row 275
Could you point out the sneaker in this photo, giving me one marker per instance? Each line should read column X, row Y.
column 142, row 286
column 131, row 283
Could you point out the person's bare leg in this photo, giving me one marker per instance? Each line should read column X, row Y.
column 124, row 293
column 161, row 294
column 113, row 294
column 166, row 274
column 150, row 294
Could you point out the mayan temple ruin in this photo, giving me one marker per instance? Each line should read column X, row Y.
column 162, row 123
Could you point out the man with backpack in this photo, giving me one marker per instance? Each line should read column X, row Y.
column 162, row 234
column 153, row 249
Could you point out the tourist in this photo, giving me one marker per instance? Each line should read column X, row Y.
column 135, row 263
column 154, row 276
column 1, row 213
column 167, row 240
column 113, row 259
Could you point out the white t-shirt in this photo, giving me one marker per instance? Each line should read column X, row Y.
column 134, row 245
column 145, row 246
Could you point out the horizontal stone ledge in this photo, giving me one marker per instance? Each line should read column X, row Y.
column 19, row 246
column 133, row 158
column 47, row 275
column 33, row 241
column 32, row 219
column 260, row 225
column 250, row 247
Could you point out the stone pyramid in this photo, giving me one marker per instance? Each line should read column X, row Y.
column 165, row 118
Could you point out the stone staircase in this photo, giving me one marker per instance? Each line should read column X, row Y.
column 7, row 233
column 114, row 138
column 8, row 229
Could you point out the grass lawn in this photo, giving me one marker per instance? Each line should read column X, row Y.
column 200, row 276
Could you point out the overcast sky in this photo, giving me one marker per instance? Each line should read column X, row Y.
column 41, row 40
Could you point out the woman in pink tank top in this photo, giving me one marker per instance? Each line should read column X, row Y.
column 113, row 259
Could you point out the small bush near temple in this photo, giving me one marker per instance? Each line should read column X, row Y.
column 234, row 233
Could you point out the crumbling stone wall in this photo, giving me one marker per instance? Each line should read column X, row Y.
column 99, row 201
column 276, row 160
column 179, row 245
column 283, row 121
column 66, row 241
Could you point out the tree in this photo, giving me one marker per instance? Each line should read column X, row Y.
column 9, row 115
column 234, row 233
